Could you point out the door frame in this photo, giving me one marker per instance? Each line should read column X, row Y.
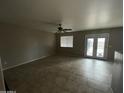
column 2, row 77
column 95, row 36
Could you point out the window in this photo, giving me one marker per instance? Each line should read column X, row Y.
column 66, row 41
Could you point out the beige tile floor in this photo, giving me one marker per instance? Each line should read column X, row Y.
column 58, row 74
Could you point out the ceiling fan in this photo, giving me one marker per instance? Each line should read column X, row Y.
column 61, row 29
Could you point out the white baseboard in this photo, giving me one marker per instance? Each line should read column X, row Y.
column 25, row 62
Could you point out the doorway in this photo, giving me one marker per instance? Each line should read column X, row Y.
column 96, row 45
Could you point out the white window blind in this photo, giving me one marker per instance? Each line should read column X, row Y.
column 66, row 41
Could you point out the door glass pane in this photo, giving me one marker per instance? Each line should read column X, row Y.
column 90, row 42
column 100, row 47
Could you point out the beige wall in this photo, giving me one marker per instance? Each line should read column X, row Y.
column 18, row 45
column 115, row 41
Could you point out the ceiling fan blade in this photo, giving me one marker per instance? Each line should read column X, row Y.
column 67, row 29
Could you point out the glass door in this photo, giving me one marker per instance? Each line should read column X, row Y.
column 100, row 47
column 96, row 45
column 90, row 42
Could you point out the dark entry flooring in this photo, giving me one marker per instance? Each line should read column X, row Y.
column 59, row 74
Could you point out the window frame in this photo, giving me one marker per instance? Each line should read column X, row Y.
column 67, row 46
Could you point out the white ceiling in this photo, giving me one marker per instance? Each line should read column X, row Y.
column 75, row 14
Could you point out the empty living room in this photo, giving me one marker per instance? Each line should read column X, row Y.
column 61, row 46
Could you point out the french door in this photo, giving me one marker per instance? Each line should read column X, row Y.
column 96, row 45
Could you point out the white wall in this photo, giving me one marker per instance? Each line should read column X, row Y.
column 19, row 45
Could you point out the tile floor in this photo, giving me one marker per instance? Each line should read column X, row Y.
column 58, row 74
